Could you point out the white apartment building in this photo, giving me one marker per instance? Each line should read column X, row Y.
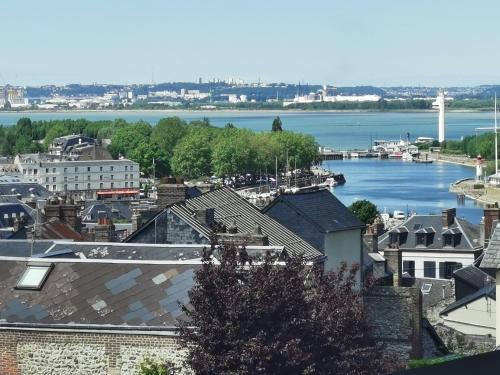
column 82, row 179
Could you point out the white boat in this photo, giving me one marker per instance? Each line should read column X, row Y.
column 399, row 215
column 407, row 156
column 329, row 182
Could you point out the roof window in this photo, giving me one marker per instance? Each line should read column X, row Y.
column 34, row 276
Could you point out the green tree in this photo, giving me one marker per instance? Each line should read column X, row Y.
column 233, row 152
column 364, row 210
column 168, row 132
column 127, row 138
column 144, row 153
column 192, row 155
column 277, row 125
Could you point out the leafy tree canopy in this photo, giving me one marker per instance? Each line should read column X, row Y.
column 364, row 210
column 277, row 319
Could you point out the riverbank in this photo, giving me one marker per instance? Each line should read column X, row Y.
column 451, row 159
column 478, row 191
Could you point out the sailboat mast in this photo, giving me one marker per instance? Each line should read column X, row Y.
column 496, row 137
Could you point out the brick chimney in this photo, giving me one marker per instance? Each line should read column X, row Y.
column 68, row 214
column 104, row 230
column 448, row 217
column 371, row 238
column 171, row 190
column 490, row 216
column 394, row 259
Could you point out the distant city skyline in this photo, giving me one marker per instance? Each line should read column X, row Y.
column 386, row 43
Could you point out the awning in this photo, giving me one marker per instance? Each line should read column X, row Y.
column 118, row 192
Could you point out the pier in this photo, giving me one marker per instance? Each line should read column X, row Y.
column 330, row 154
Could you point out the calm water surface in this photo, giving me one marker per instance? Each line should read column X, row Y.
column 398, row 185
column 390, row 184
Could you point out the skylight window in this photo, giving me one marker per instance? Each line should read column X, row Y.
column 426, row 288
column 34, row 276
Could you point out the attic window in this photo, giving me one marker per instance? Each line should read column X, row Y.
column 34, row 276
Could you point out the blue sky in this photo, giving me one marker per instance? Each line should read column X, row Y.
column 349, row 42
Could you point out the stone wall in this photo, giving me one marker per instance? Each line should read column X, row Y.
column 395, row 314
column 43, row 353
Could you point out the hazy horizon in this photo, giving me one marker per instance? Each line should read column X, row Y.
column 430, row 43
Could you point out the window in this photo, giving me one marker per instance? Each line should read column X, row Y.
column 100, row 177
column 131, row 167
column 101, row 185
column 421, row 239
column 46, row 170
column 88, row 178
column 88, row 186
column 131, row 184
column 111, row 176
column 53, row 179
column 35, row 171
column 47, row 187
column 111, row 168
column 65, row 187
column 76, row 178
column 100, row 169
column 65, row 178
column 53, row 170
column 46, row 179
column 112, row 185
column 34, row 277
column 446, row 269
column 126, row 167
column 430, row 269
column 126, row 176
column 409, row 267
column 65, row 169
column 76, row 169
column 88, row 169
column 76, row 186
column 426, row 288
column 126, row 184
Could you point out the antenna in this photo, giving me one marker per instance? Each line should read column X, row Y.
column 496, row 137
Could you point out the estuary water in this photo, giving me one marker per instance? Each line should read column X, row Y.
column 390, row 184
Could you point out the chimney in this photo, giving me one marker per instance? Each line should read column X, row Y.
column 448, row 217
column 206, row 216
column 394, row 263
column 69, row 215
column 52, row 209
column 170, row 191
column 136, row 221
column 490, row 215
column 104, row 230
column 371, row 238
column 481, row 233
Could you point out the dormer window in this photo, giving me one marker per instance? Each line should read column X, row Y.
column 424, row 236
column 34, row 276
column 452, row 237
column 422, row 239
column 398, row 236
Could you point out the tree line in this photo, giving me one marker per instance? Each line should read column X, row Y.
column 192, row 150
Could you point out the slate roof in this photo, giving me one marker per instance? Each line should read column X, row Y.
column 27, row 190
column 321, row 208
column 488, row 291
column 88, row 293
column 22, row 248
column 469, row 240
column 473, row 276
column 113, row 210
column 10, row 210
column 229, row 207
column 491, row 257
column 116, row 250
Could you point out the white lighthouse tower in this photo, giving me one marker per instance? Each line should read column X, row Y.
column 479, row 168
column 441, row 102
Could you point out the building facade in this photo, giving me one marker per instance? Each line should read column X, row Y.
column 82, row 178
